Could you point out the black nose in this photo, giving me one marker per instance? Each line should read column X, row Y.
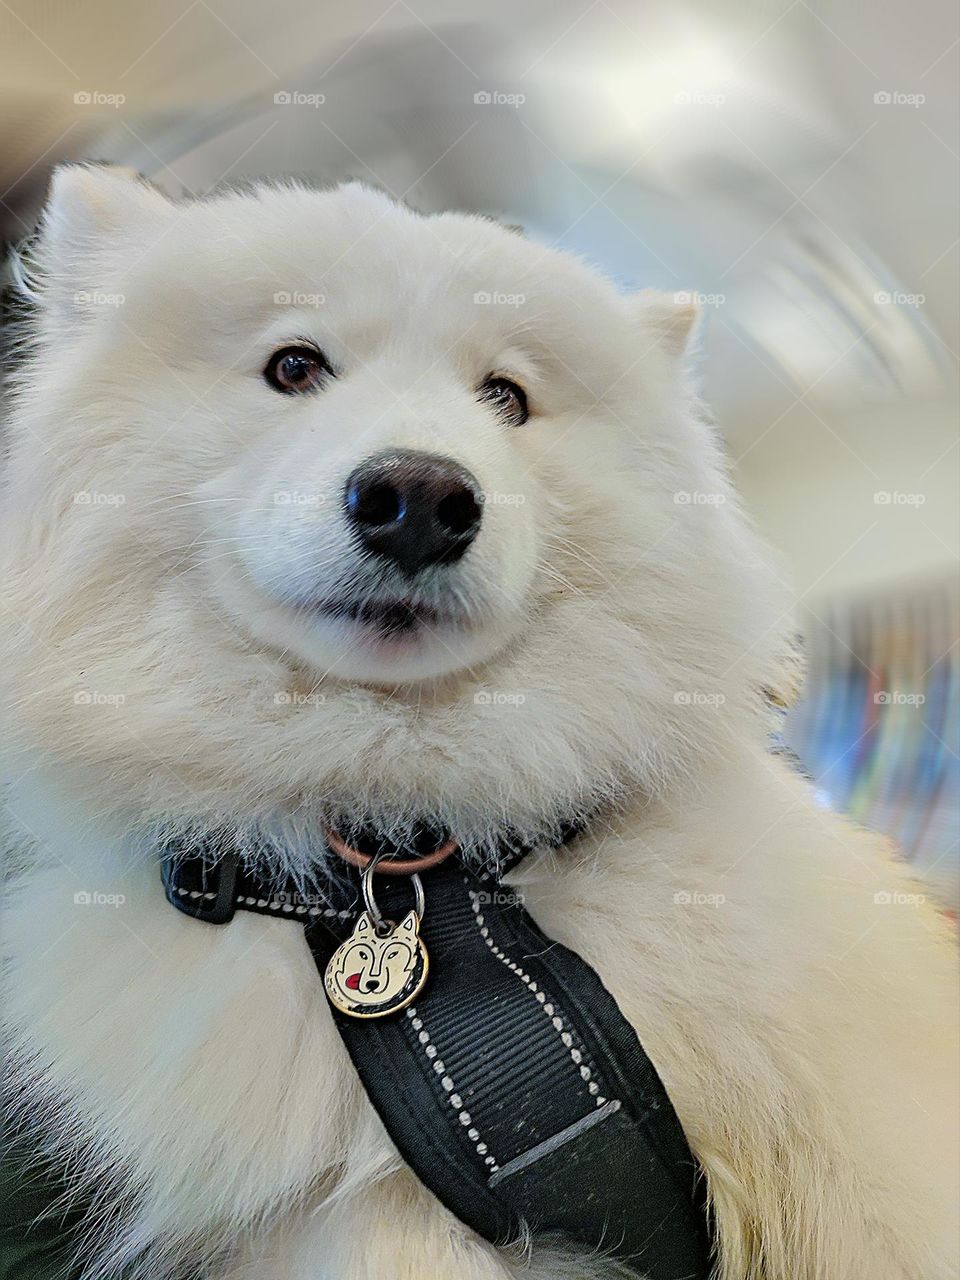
column 413, row 508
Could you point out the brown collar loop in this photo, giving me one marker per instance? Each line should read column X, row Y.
column 389, row 866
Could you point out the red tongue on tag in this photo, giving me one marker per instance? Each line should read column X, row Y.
column 353, row 982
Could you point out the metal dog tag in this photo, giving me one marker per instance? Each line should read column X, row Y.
column 380, row 968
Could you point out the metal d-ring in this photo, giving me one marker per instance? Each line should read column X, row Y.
column 366, row 887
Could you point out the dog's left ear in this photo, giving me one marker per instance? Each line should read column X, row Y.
column 97, row 218
column 666, row 321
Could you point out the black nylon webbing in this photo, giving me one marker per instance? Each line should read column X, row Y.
column 513, row 1087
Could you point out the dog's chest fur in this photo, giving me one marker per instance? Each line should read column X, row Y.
column 202, row 1060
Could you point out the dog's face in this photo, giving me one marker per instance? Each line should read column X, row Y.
column 369, row 970
column 314, row 500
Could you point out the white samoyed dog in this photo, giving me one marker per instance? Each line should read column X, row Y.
column 317, row 508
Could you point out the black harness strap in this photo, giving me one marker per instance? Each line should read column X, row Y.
column 513, row 1087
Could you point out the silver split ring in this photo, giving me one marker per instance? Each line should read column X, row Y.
column 370, row 902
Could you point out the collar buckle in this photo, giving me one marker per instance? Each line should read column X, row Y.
column 205, row 892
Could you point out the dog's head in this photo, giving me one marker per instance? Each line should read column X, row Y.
column 317, row 503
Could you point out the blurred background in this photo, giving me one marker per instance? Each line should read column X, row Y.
column 794, row 165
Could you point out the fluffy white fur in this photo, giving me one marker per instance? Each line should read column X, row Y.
column 618, row 638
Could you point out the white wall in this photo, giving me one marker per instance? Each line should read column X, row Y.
column 813, row 485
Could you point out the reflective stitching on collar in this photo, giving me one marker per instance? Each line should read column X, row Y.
column 280, row 907
column 454, row 1098
column 586, row 1069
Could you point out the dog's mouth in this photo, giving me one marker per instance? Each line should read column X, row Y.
column 389, row 619
column 357, row 621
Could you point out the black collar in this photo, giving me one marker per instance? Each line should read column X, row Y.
column 208, row 877
column 513, row 1086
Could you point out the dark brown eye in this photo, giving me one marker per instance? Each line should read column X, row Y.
column 297, row 369
column 509, row 400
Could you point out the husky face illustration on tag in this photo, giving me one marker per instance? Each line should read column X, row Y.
column 373, row 974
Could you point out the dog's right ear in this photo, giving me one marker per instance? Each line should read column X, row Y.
column 666, row 321
column 96, row 218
